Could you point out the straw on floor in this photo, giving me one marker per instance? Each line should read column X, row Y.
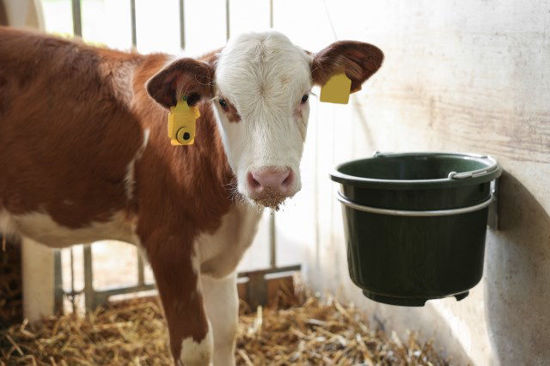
column 134, row 333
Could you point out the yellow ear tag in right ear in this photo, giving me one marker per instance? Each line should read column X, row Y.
column 336, row 89
column 181, row 123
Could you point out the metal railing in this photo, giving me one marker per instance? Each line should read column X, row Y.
column 257, row 286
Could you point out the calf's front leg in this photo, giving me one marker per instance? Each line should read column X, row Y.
column 176, row 271
column 222, row 307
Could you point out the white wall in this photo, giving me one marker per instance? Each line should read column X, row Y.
column 458, row 76
column 24, row 13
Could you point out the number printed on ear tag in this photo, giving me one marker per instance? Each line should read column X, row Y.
column 336, row 89
column 182, row 121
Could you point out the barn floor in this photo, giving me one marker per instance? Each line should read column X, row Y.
column 133, row 333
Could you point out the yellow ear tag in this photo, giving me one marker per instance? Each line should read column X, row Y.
column 336, row 89
column 181, row 123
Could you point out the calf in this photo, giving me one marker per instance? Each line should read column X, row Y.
column 84, row 156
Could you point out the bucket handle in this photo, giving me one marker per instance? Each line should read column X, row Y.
column 427, row 213
column 471, row 174
column 452, row 175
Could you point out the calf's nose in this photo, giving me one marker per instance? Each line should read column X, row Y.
column 278, row 180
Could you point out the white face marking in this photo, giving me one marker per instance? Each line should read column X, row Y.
column 40, row 227
column 196, row 354
column 264, row 76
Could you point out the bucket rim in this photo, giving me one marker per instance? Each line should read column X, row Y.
column 491, row 171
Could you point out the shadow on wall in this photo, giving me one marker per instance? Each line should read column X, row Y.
column 3, row 14
column 517, row 276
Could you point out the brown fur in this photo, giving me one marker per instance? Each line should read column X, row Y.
column 70, row 123
column 358, row 60
column 185, row 76
column 182, row 191
column 61, row 136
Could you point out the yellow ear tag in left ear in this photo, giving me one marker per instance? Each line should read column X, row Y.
column 182, row 120
column 336, row 89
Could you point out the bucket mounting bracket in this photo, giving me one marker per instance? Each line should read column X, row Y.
column 493, row 220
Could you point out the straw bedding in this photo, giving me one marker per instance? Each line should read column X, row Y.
column 133, row 333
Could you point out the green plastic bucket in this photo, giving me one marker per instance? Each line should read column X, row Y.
column 415, row 223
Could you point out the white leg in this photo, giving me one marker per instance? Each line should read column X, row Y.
column 38, row 280
column 222, row 307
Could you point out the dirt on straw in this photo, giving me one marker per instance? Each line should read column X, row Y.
column 134, row 333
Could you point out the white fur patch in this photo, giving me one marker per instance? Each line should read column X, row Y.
column 265, row 77
column 129, row 179
column 222, row 307
column 196, row 263
column 7, row 226
column 196, row 354
column 238, row 228
column 40, row 227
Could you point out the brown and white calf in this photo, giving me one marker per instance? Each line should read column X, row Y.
column 84, row 156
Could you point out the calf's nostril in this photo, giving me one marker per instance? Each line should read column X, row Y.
column 287, row 181
column 253, row 182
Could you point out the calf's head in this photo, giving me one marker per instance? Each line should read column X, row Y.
column 259, row 86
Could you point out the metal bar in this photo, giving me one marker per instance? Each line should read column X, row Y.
column 73, row 303
column 133, row 22
column 94, row 298
column 89, row 293
column 493, row 220
column 101, row 297
column 141, row 276
column 58, row 283
column 77, row 18
column 227, row 22
column 270, row 13
column 272, row 224
column 182, row 24
column 426, row 213
column 272, row 240
column 292, row 268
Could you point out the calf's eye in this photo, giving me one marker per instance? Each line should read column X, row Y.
column 223, row 103
column 305, row 98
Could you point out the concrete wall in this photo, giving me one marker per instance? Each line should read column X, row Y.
column 467, row 76
column 22, row 13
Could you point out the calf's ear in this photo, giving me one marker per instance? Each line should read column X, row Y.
column 358, row 60
column 185, row 77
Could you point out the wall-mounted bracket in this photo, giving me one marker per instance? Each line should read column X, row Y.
column 493, row 220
